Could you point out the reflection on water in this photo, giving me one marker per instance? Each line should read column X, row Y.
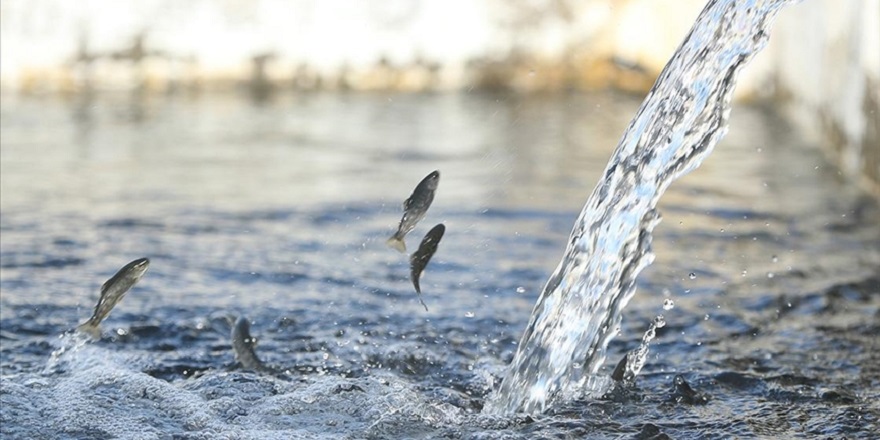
column 279, row 212
column 308, row 149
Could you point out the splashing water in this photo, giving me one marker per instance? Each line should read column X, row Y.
column 684, row 115
column 635, row 359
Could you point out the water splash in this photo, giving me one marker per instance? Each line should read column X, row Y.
column 68, row 344
column 684, row 115
column 636, row 359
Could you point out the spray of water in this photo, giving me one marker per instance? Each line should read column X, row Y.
column 684, row 115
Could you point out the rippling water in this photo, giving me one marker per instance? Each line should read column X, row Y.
column 280, row 211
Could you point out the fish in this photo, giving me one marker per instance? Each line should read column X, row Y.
column 420, row 258
column 414, row 209
column 112, row 292
column 243, row 345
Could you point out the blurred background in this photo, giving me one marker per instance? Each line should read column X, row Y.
column 821, row 68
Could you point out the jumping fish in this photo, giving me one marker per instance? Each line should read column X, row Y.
column 112, row 292
column 414, row 209
column 243, row 345
column 421, row 257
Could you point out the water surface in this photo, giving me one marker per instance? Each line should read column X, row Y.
column 279, row 211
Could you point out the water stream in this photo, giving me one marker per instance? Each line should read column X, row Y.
column 678, row 124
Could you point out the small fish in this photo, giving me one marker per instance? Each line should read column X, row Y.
column 414, row 209
column 243, row 345
column 422, row 256
column 112, row 292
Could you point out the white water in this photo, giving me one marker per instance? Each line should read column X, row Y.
column 680, row 121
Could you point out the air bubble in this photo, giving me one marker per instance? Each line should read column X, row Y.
column 668, row 304
column 692, row 276
column 468, row 314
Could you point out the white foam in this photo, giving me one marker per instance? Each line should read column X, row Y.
column 96, row 392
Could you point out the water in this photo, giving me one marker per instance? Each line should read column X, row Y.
column 279, row 211
column 678, row 124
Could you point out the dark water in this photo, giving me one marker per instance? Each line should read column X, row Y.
column 280, row 211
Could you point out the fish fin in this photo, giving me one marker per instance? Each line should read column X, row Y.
column 105, row 286
column 397, row 243
column 407, row 203
column 90, row 329
column 415, row 282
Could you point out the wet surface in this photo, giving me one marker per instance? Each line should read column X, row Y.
column 280, row 212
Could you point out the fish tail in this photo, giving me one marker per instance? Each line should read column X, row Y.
column 415, row 281
column 397, row 243
column 91, row 329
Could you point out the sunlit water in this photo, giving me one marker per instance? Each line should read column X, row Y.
column 279, row 211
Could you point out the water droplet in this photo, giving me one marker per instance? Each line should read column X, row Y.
column 468, row 314
column 745, row 272
column 659, row 321
column 770, row 275
column 520, row 289
column 774, row 259
column 692, row 276
column 706, row 318
column 668, row 304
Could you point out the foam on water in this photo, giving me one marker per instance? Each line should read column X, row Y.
column 678, row 124
column 96, row 393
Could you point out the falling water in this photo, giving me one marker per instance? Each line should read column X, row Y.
column 684, row 115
